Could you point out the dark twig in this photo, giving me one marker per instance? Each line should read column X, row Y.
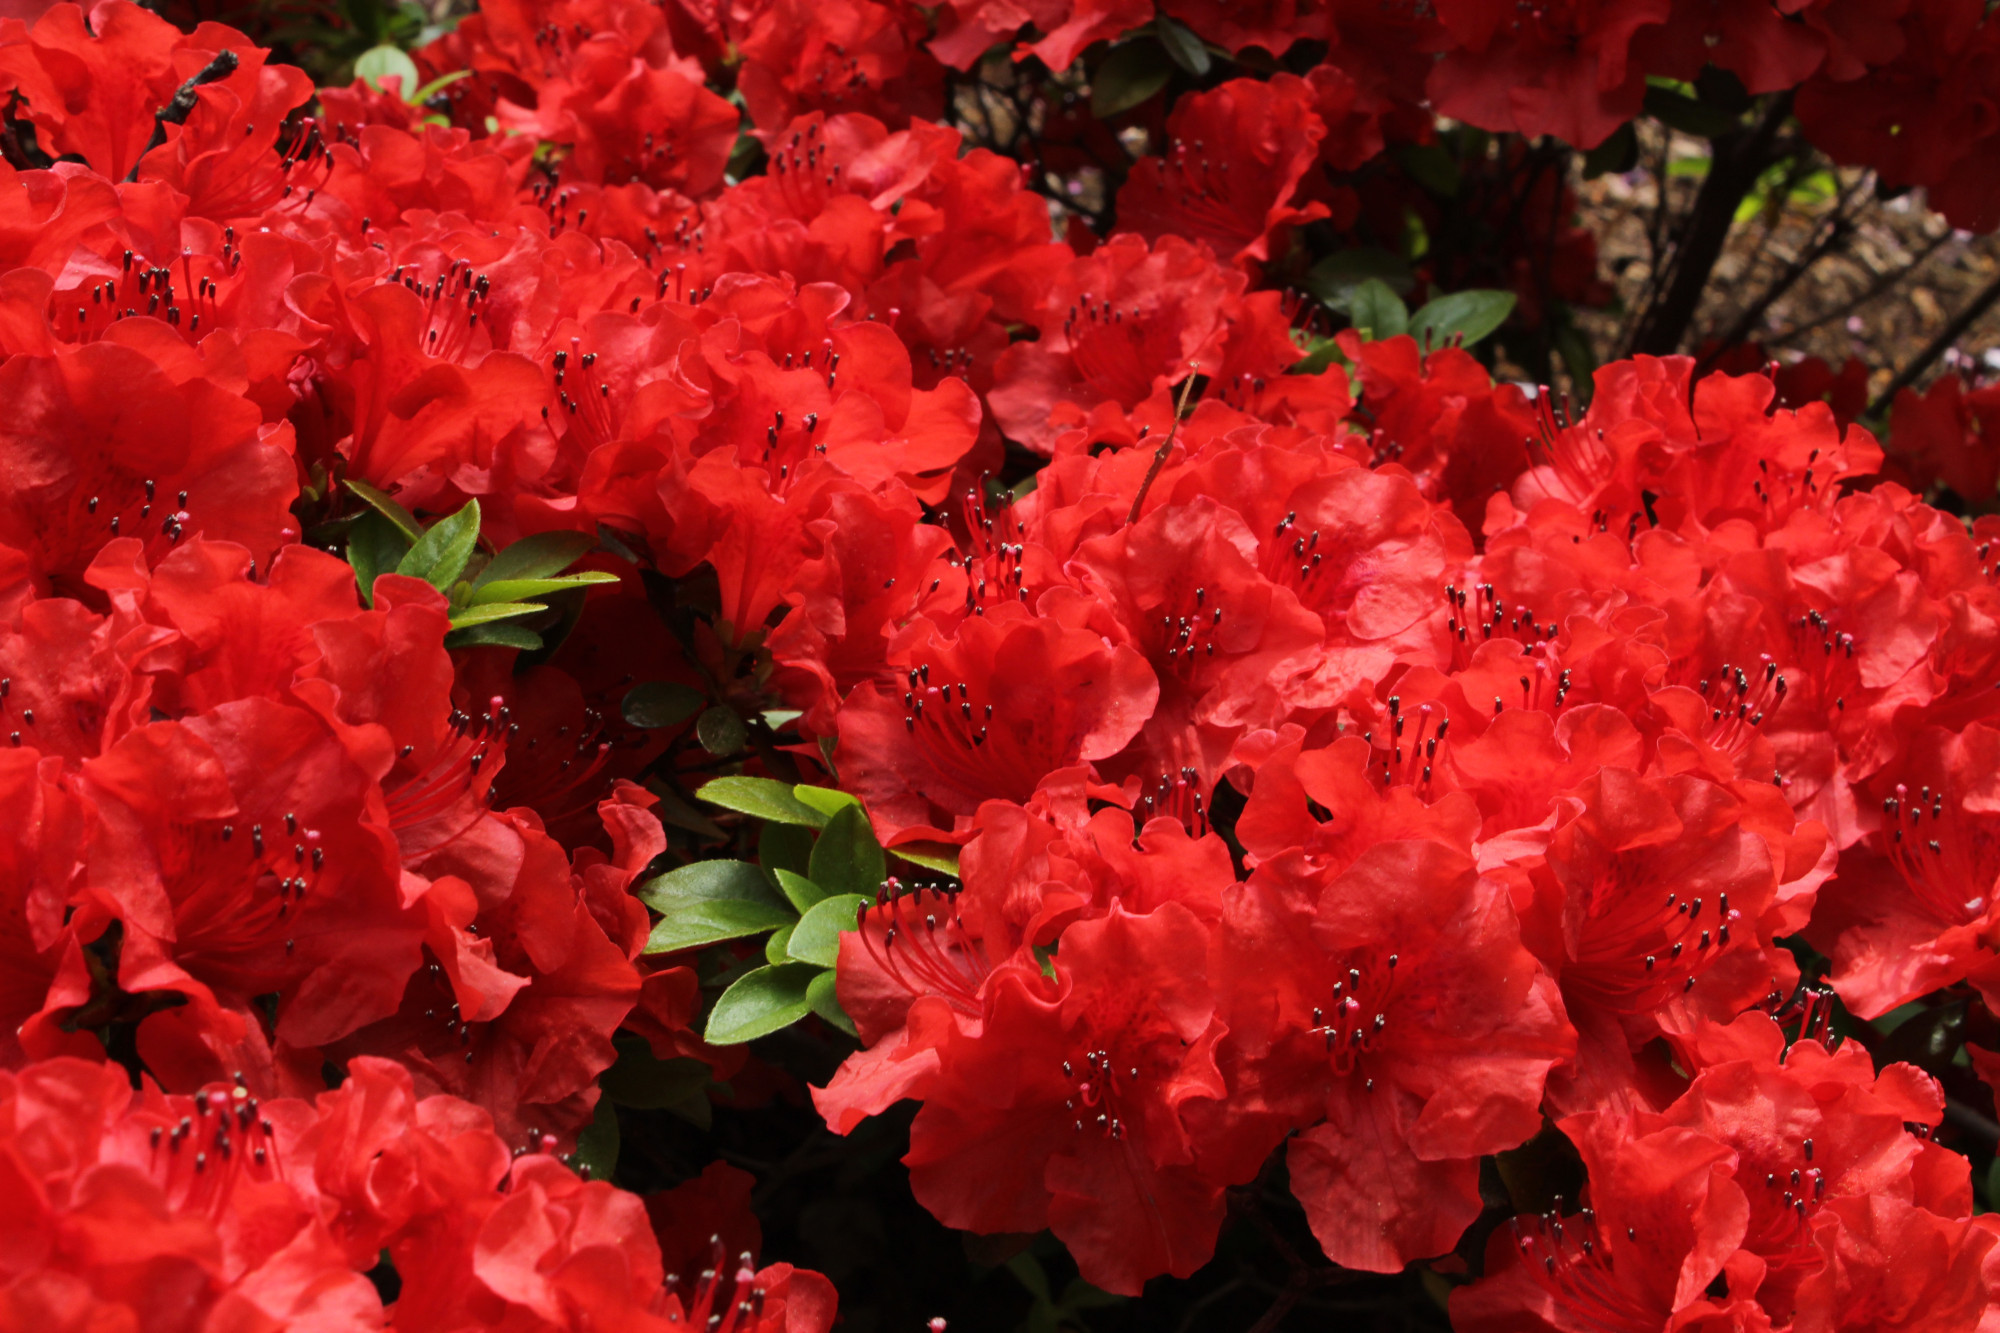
column 1971, row 1123
column 1166, row 445
column 1739, row 159
column 1842, row 226
column 177, row 111
column 1874, row 289
column 1946, row 337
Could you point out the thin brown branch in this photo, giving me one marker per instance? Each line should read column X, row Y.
column 1946, row 337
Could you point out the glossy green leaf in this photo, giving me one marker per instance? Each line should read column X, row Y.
column 405, row 522
column 497, row 634
column 829, row 801
column 514, row 590
column 440, row 555
column 1182, row 46
column 1130, row 75
column 597, row 1146
column 1432, row 166
column 661, row 703
column 1377, row 311
column 775, row 950
column 786, row 847
column 480, row 615
column 825, row 1001
column 1467, row 315
column 380, row 62
column 374, row 546
column 847, row 859
column 720, row 730
column 711, row 901
column 537, row 557
column 761, row 1003
column 800, row 891
column 762, row 798
column 641, row 1080
column 816, row 939
column 938, row 856
column 1335, row 279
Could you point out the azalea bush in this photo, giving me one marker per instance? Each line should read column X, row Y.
column 775, row 666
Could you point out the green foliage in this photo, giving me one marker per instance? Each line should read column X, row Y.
column 1129, row 76
column 519, row 597
column 1461, row 318
column 818, row 864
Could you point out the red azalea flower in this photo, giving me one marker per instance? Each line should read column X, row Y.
column 1236, row 156
column 1117, row 326
column 1655, row 906
column 1662, row 1217
column 1064, row 1108
column 1031, row 697
column 1390, row 1012
column 234, row 848
column 106, row 441
column 129, row 1209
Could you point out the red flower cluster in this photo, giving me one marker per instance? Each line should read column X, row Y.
column 1366, row 766
column 1525, row 819
column 216, row 1209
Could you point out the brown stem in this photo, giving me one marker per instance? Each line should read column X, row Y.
column 1739, row 159
column 1874, row 289
column 177, row 111
column 1818, row 249
column 1166, row 445
column 1946, row 336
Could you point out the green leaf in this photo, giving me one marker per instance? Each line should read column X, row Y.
column 829, row 801
column 498, row 634
column 1432, row 166
column 816, row 939
column 1185, row 49
column 661, row 703
column 786, row 847
column 440, row 555
column 774, row 948
column 711, row 901
column 1377, row 311
column 1615, row 156
column 641, row 1080
column 847, row 859
column 938, row 856
column 513, row 590
column 1335, row 279
column 720, row 731
column 678, row 813
column 404, row 521
column 1473, row 314
column 1928, row 1040
column 1323, row 353
column 825, row 1001
column 376, row 64
column 436, row 86
column 597, row 1145
column 1578, row 358
column 800, row 891
column 761, row 1003
column 1131, row 74
column 537, row 557
column 763, row 798
column 374, row 546
column 1687, row 115
column 480, row 615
